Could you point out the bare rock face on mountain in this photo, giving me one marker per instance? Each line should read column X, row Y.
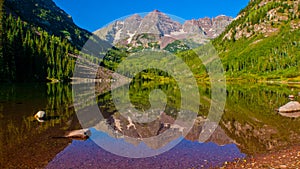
column 215, row 26
column 270, row 17
column 155, row 22
column 192, row 26
column 130, row 27
column 129, row 31
column 132, row 23
column 110, row 32
column 158, row 23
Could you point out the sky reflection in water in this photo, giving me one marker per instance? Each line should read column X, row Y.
column 186, row 154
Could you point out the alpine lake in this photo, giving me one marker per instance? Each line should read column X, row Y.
column 249, row 125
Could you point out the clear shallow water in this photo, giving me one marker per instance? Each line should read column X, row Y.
column 249, row 121
column 187, row 154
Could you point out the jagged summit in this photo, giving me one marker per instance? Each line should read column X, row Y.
column 155, row 10
column 158, row 23
column 162, row 25
column 135, row 16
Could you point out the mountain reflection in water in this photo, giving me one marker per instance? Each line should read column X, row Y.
column 187, row 154
column 249, row 123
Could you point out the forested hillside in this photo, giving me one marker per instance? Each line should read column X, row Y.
column 40, row 42
column 31, row 54
column 263, row 42
column 48, row 16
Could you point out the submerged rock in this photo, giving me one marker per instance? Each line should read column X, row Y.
column 78, row 134
column 292, row 106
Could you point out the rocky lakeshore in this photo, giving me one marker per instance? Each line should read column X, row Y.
column 284, row 158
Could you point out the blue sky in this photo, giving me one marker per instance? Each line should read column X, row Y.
column 94, row 14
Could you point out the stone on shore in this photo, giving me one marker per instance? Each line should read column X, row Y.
column 292, row 106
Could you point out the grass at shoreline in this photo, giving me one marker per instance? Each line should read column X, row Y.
column 262, row 79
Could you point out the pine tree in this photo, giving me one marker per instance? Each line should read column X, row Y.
column 31, row 54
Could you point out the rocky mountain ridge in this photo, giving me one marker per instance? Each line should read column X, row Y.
column 163, row 27
column 264, row 17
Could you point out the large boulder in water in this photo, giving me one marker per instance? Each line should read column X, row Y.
column 292, row 106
